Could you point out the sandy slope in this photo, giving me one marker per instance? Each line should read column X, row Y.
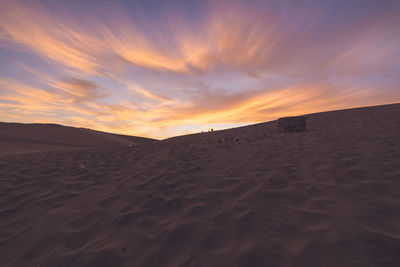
column 22, row 138
column 327, row 197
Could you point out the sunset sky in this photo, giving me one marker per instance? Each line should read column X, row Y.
column 164, row 68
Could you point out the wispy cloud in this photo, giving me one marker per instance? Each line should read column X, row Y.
column 136, row 88
column 122, row 68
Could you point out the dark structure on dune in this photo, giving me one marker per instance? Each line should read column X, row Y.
column 292, row 124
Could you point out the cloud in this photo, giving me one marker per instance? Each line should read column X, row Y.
column 249, row 37
column 162, row 121
column 236, row 36
column 78, row 90
column 125, row 69
column 72, row 95
column 261, row 106
column 146, row 93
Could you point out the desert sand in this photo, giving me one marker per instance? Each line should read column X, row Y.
column 248, row 196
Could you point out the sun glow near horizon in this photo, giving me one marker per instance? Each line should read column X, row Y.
column 158, row 70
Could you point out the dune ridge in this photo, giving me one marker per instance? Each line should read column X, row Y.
column 39, row 137
column 248, row 196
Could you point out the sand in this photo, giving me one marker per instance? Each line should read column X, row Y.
column 248, row 196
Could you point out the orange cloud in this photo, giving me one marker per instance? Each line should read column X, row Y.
column 140, row 90
column 161, row 121
column 235, row 38
column 187, row 75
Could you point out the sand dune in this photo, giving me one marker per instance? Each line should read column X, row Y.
column 248, row 196
column 22, row 138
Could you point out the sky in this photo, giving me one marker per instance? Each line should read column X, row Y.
column 164, row 68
